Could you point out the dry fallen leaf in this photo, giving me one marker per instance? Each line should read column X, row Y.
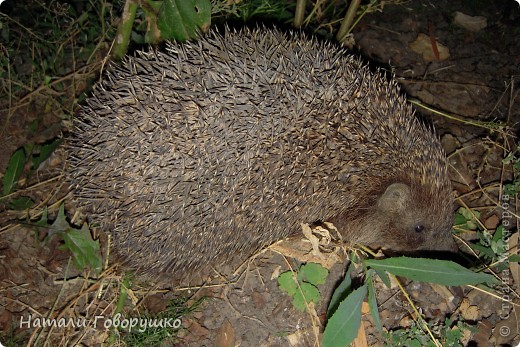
column 423, row 45
column 226, row 335
column 296, row 339
column 308, row 249
column 469, row 312
column 470, row 23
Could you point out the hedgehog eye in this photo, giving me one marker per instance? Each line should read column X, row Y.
column 419, row 228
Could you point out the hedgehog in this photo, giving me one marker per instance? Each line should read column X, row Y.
column 198, row 153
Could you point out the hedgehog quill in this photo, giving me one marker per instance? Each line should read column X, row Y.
column 213, row 149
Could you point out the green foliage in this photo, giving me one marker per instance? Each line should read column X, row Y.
column 302, row 286
column 21, row 203
column 153, row 21
column 492, row 246
column 14, row 171
column 183, row 19
column 161, row 335
column 85, row 251
column 442, row 272
column 41, row 39
column 42, row 152
column 372, row 302
column 514, row 258
column 341, row 292
column 11, row 338
column 312, row 273
column 36, row 155
column 449, row 335
column 280, row 11
column 467, row 219
column 513, row 158
column 343, row 326
column 344, row 310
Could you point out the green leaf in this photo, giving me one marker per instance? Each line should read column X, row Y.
column 485, row 237
column 44, row 220
column 501, row 266
column 372, row 304
column 512, row 188
column 484, row 251
column 341, row 292
column 300, row 287
column 509, row 158
column 499, row 234
column 459, row 219
column 384, row 277
column 498, row 243
column 288, row 283
column 21, row 203
column 85, row 251
column 45, row 152
column 429, row 270
column 41, row 224
column 467, row 218
column 183, row 19
column 307, row 294
column 514, row 258
column 28, row 148
column 314, row 273
column 343, row 326
column 14, row 171
column 60, row 224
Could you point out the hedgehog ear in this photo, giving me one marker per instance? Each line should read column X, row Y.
column 395, row 197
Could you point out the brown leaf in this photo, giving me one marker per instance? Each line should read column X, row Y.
column 470, row 23
column 423, row 46
column 226, row 335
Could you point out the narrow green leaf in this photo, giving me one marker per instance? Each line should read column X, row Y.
column 429, row 270
column 341, row 292
column 384, row 277
column 372, row 304
column 14, row 171
column 343, row 326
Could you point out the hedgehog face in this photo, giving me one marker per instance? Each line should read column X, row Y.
column 409, row 221
column 419, row 234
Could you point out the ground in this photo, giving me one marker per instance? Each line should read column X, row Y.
column 474, row 84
